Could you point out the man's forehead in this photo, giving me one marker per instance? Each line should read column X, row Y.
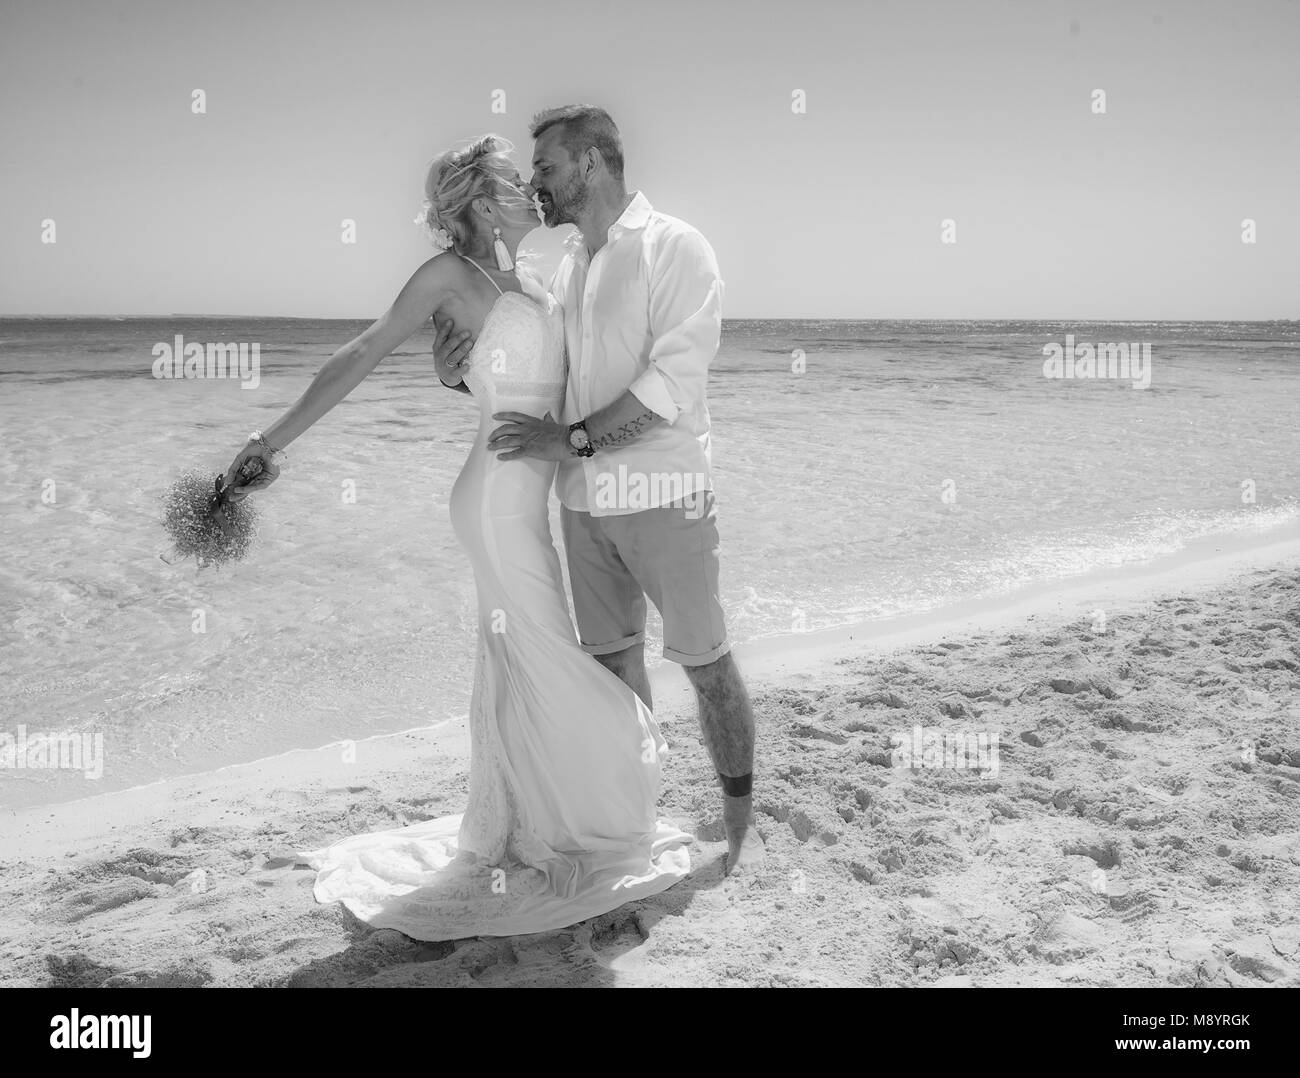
column 543, row 151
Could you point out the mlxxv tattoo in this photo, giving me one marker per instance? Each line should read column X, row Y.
column 626, row 432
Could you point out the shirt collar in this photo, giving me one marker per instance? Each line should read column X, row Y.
column 635, row 216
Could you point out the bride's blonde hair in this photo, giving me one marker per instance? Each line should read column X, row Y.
column 481, row 169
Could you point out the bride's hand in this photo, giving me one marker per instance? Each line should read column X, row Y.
column 449, row 352
column 251, row 470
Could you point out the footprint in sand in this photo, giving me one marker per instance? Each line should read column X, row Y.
column 1106, row 854
column 99, row 898
column 882, row 698
column 618, row 941
column 806, row 830
column 815, row 732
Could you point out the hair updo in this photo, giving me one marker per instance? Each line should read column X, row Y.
column 482, row 169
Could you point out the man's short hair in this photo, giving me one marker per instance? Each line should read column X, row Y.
column 584, row 126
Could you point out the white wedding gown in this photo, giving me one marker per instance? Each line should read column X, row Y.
column 561, row 823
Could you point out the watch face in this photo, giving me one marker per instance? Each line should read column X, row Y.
column 578, row 439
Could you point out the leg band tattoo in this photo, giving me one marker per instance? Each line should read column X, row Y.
column 738, row 786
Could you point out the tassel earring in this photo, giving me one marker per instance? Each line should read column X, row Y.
column 504, row 261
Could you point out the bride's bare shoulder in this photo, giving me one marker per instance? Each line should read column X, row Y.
column 446, row 267
column 440, row 279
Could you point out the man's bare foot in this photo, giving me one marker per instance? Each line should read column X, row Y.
column 746, row 853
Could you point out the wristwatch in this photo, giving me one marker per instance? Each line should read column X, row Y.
column 277, row 457
column 579, row 440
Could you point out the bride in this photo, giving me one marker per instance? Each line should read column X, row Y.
column 561, row 822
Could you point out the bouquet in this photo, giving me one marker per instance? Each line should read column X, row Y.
column 204, row 523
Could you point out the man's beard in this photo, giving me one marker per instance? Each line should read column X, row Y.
column 566, row 204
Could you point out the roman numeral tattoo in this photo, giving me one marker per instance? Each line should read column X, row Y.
column 626, row 433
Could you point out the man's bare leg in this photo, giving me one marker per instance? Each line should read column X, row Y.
column 629, row 666
column 727, row 722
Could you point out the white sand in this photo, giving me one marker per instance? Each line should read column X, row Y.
column 1123, row 840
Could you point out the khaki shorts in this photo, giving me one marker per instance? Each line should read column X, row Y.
column 667, row 553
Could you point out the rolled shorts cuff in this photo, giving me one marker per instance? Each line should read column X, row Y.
column 615, row 647
column 712, row 655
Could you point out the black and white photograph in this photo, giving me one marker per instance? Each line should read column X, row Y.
column 677, row 495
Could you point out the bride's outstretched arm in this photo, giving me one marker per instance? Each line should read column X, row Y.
column 347, row 368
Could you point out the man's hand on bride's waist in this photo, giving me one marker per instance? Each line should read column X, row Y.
column 527, row 436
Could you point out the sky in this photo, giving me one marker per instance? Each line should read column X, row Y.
column 979, row 112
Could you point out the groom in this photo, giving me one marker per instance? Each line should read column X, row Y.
column 642, row 319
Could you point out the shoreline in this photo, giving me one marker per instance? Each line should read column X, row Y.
column 1202, row 564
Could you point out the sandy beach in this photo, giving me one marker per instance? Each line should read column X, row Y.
column 1138, row 825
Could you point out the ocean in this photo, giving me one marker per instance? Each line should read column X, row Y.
column 862, row 470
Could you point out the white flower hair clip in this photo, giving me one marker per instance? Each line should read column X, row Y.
column 439, row 237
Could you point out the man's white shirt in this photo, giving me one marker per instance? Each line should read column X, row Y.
column 644, row 314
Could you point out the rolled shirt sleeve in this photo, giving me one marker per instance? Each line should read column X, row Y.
column 686, row 323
